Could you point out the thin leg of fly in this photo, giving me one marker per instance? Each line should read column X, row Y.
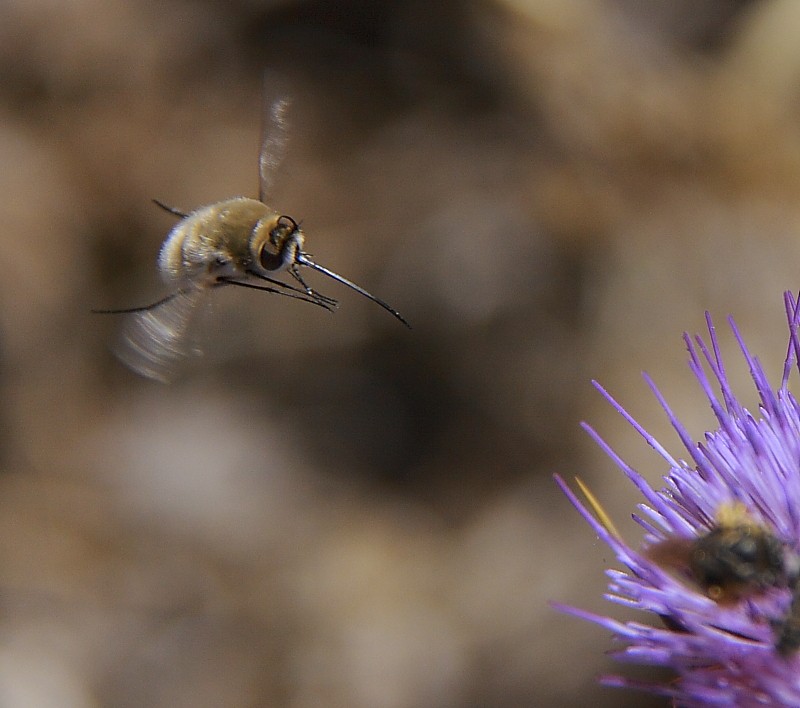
column 302, row 259
column 308, row 289
column 305, row 291
column 326, row 302
column 264, row 288
column 143, row 308
column 171, row 210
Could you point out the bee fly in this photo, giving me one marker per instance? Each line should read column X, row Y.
column 239, row 241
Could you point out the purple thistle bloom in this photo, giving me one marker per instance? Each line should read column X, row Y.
column 724, row 653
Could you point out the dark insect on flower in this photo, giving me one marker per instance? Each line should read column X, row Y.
column 719, row 567
column 736, row 558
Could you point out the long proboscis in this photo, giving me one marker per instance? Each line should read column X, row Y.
column 302, row 259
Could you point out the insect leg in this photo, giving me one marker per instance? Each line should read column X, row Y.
column 308, row 289
column 171, row 210
column 143, row 308
column 297, row 295
column 305, row 291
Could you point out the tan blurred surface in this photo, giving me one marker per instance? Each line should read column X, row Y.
column 328, row 510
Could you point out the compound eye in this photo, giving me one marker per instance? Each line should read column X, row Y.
column 279, row 249
column 270, row 261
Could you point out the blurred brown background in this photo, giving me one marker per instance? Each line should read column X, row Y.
column 328, row 510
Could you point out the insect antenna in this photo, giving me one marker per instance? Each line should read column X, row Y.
column 302, row 259
column 171, row 210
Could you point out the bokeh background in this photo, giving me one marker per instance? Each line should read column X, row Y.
column 329, row 510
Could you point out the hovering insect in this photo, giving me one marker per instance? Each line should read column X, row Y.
column 238, row 241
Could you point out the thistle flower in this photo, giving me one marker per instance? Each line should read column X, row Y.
column 736, row 502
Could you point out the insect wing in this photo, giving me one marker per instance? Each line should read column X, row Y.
column 155, row 342
column 274, row 133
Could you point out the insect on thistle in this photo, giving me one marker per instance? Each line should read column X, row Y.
column 239, row 241
column 735, row 559
column 738, row 558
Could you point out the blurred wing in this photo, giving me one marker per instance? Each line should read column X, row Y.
column 155, row 342
column 273, row 133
